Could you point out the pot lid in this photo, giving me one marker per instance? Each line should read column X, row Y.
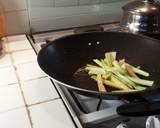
column 143, row 6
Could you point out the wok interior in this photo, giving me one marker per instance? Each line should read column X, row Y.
column 63, row 57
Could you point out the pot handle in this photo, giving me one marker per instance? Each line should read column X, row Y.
column 139, row 109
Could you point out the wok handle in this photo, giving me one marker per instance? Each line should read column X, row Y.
column 139, row 109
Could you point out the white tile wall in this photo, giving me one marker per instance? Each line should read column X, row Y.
column 17, row 118
column 5, row 60
column 17, row 22
column 63, row 3
column 16, row 38
column 64, row 22
column 10, row 98
column 19, row 45
column 94, row 1
column 41, row 3
column 28, row 104
column 84, row 2
column 29, row 71
column 75, row 16
column 39, row 90
column 7, row 76
column 107, row 1
column 26, row 56
column 13, row 5
column 50, row 115
column 17, row 14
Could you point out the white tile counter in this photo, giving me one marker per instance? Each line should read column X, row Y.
column 27, row 97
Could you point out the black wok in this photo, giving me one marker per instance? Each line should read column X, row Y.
column 61, row 58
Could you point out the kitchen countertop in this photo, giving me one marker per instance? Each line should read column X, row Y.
column 28, row 99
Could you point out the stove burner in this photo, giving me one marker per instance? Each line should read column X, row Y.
column 85, row 111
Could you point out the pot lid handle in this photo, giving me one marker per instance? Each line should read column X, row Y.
column 143, row 6
column 139, row 109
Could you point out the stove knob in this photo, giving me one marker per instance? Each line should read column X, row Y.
column 152, row 122
column 122, row 125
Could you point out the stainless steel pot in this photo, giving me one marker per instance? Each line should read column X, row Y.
column 141, row 16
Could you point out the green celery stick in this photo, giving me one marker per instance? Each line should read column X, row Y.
column 118, row 67
column 139, row 71
column 124, row 79
column 139, row 87
column 96, row 70
column 119, row 83
column 98, row 62
column 141, row 81
column 109, row 58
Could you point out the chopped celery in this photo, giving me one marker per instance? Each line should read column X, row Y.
column 98, row 62
column 109, row 83
column 141, row 81
column 112, row 84
column 101, row 87
column 96, row 71
column 107, row 76
column 90, row 65
column 117, row 74
column 130, row 71
column 139, row 87
column 139, row 71
column 121, row 62
column 114, row 55
column 125, row 80
column 118, row 67
column 109, row 58
column 120, row 84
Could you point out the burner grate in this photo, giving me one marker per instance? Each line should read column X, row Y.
column 86, row 112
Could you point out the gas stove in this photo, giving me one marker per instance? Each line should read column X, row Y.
column 88, row 112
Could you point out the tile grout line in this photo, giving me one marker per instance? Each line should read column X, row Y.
column 27, row 110
column 12, row 109
column 13, row 11
column 12, row 51
column 14, row 65
column 15, row 51
column 34, row 78
column 18, row 50
column 46, row 101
